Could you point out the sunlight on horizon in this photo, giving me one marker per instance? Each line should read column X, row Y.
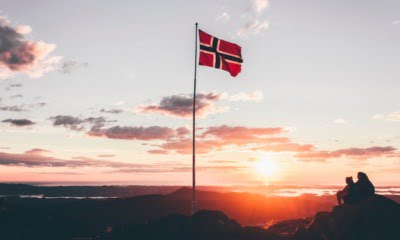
column 266, row 168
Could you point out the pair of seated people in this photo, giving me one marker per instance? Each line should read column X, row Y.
column 355, row 192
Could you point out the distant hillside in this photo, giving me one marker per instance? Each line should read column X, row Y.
column 84, row 191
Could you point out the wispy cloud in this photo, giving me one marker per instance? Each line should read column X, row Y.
column 36, row 159
column 21, row 107
column 396, row 22
column 233, row 137
column 69, row 65
column 16, row 96
column 112, row 111
column 260, row 5
column 340, row 121
column 12, row 86
column 253, row 26
column 12, row 108
column 255, row 22
column 252, row 19
column 394, row 117
column 20, row 55
column 37, row 151
column 356, row 153
column 255, row 96
column 106, row 155
column 224, row 17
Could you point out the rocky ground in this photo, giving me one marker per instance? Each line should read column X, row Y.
column 375, row 218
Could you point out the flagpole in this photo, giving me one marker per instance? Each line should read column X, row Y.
column 194, row 129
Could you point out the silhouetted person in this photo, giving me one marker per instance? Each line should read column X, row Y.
column 364, row 185
column 350, row 194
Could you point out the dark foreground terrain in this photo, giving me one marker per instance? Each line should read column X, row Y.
column 375, row 218
column 168, row 217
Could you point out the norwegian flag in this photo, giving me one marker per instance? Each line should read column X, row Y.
column 221, row 54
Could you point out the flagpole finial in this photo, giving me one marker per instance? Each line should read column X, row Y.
column 197, row 24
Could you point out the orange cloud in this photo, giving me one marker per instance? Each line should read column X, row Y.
column 239, row 137
column 358, row 153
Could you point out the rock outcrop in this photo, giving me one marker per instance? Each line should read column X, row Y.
column 202, row 225
column 377, row 217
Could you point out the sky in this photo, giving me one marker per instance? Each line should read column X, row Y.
column 100, row 91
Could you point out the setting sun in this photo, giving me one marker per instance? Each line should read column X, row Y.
column 265, row 167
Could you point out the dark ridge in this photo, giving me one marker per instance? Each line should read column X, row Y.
column 377, row 217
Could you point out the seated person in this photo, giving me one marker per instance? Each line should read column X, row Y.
column 364, row 185
column 350, row 194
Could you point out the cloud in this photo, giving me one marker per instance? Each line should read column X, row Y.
column 254, row 26
column 260, row 5
column 255, row 96
column 239, row 132
column 254, row 21
column 133, row 133
column 16, row 96
column 218, row 138
column 36, row 105
column 37, row 151
column 12, row 85
column 21, row 107
column 396, row 22
column 286, row 147
column 340, row 121
column 20, row 55
column 97, row 128
column 69, row 65
column 393, row 117
column 71, row 122
column 182, row 131
column 224, row 17
column 106, row 155
column 182, row 105
column 158, row 151
column 113, row 111
column 358, row 153
column 34, row 158
column 19, row 122
column 119, row 103
column 13, row 108
column 78, row 123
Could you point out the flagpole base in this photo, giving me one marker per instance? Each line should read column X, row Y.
column 194, row 207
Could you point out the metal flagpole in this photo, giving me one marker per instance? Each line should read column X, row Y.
column 194, row 130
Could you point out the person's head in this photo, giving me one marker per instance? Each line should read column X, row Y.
column 349, row 180
column 362, row 176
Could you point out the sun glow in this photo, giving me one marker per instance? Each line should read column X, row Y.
column 265, row 167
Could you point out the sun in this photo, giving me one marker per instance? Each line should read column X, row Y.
column 265, row 167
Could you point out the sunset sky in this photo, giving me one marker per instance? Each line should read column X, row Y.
column 100, row 91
